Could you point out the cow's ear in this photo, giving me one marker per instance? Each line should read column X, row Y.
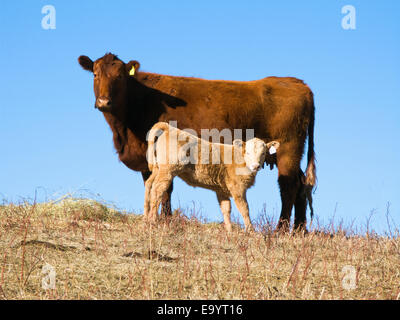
column 132, row 67
column 86, row 63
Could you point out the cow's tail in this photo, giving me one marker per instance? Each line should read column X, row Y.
column 311, row 178
column 156, row 131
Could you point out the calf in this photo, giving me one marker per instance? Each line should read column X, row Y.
column 180, row 153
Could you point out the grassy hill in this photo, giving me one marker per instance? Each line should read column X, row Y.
column 97, row 252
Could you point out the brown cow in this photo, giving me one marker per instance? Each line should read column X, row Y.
column 280, row 109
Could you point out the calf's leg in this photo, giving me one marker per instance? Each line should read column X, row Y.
column 166, row 200
column 243, row 207
column 147, row 191
column 225, row 205
column 160, row 185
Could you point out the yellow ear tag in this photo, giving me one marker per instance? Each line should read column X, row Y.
column 132, row 72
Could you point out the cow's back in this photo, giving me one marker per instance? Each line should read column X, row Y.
column 275, row 107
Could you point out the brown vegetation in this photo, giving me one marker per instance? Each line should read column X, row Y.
column 100, row 253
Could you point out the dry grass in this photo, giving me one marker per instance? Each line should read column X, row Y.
column 99, row 253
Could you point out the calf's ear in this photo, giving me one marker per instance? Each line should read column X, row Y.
column 86, row 63
column 238, row 143
column 132, row 67
column 273, row 146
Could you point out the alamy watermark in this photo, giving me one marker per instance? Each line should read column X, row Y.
column 49, row 20
column 182, row 146
column 349, row 280
column 49, row 280
column 169, row 145
column 349, row 20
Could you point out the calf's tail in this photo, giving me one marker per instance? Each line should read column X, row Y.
column 157, row 130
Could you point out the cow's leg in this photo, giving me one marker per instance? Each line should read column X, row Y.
column 288, row 161
column 166, row 201
column 225, row 205
column 300, row 205
column 145, row 175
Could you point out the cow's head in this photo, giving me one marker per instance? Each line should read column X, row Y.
column 110, row 79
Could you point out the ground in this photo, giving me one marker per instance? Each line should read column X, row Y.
column 95, row 252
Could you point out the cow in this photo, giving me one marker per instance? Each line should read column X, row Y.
column 276, row 108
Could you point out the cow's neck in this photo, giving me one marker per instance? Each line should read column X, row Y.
column 133, row 118
column 123, row 129
column 118, row 128
column 129, row 140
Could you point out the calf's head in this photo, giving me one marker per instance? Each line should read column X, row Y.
column 255, row 151
column 111, row 76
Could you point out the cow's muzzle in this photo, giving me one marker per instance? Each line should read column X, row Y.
column 103, row 104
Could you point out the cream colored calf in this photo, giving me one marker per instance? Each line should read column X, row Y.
column 229, row 170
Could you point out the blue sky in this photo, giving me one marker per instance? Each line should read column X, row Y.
column 53, row 141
